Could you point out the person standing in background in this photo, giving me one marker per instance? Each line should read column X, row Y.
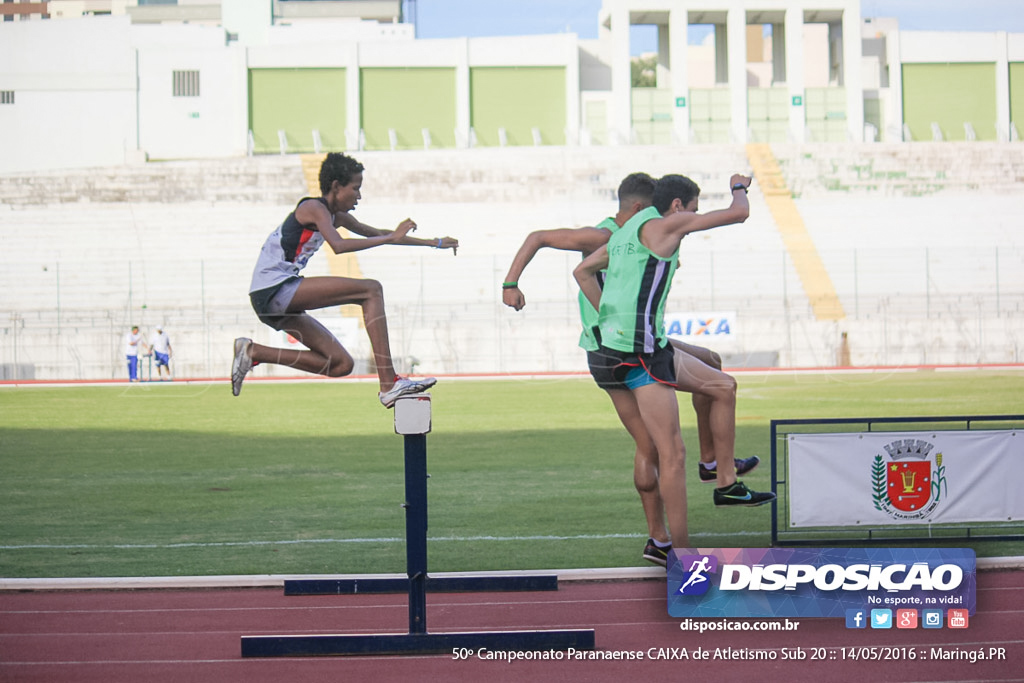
column 132, row 340
column 160, row 344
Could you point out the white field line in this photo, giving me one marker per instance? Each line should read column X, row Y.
column 313, row 541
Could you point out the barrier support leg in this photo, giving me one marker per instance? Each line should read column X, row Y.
column 413, row 420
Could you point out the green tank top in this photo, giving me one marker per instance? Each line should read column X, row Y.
column 632, row 313
column 588, row 316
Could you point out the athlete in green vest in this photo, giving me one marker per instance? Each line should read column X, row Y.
column 699, row 369
column 640, row 260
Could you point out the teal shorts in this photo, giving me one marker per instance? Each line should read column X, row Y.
column 638, row 377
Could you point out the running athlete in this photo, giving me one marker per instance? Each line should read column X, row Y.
column 698, row 370
column 635, row 354
column 281, row 297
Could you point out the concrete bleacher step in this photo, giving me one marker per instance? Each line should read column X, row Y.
column 260, row 179
column 911, row 169
column 476, row 175
column 533, row 174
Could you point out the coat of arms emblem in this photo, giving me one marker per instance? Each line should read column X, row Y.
column 908, row 484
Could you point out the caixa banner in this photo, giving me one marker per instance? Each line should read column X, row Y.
column 817, row 582
column 701, row 326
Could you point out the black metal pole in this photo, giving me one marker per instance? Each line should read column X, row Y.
column 416, row 529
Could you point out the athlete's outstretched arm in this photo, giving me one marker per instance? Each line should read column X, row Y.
column 354, row 225
column 662, row 235
column 316, row 213
column 583, row 240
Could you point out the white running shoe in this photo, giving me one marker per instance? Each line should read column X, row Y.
column 242, row 363
column 405, row 386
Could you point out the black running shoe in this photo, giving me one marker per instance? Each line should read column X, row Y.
column 743, row 465
column 652, row 553
column 739, row 494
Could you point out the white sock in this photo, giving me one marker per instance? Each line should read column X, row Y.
column 709, row 465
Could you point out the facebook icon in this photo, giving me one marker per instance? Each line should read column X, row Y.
column 856, row 618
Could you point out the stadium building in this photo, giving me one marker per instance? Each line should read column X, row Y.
column 136, row 125
column 174, row 80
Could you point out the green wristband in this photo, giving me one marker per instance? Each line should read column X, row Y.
column 509, row 285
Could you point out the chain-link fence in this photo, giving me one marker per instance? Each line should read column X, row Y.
column 67, row 320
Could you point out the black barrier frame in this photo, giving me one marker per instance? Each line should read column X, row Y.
column 879, row 533
column 418, row 640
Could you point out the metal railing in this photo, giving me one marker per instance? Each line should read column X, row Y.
column 921, row 306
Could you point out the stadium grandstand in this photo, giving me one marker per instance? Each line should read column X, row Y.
column 885, row 206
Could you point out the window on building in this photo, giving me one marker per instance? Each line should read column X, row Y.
column 6, row 97
column 186, row 84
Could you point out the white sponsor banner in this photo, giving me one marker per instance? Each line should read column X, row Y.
column 701, row 327
column 854, row 479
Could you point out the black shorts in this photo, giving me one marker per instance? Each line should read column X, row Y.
column 609, row 367
column 271, row 304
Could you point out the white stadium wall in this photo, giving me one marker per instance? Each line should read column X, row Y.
column 75, row 104
column 212, row 124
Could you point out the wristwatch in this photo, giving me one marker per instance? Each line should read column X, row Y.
column 739, row 186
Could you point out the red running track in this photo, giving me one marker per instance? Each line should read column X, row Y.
column 153, row 636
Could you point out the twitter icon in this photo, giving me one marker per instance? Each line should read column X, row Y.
column 881, row 618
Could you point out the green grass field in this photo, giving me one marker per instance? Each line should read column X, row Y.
column 307, row 478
